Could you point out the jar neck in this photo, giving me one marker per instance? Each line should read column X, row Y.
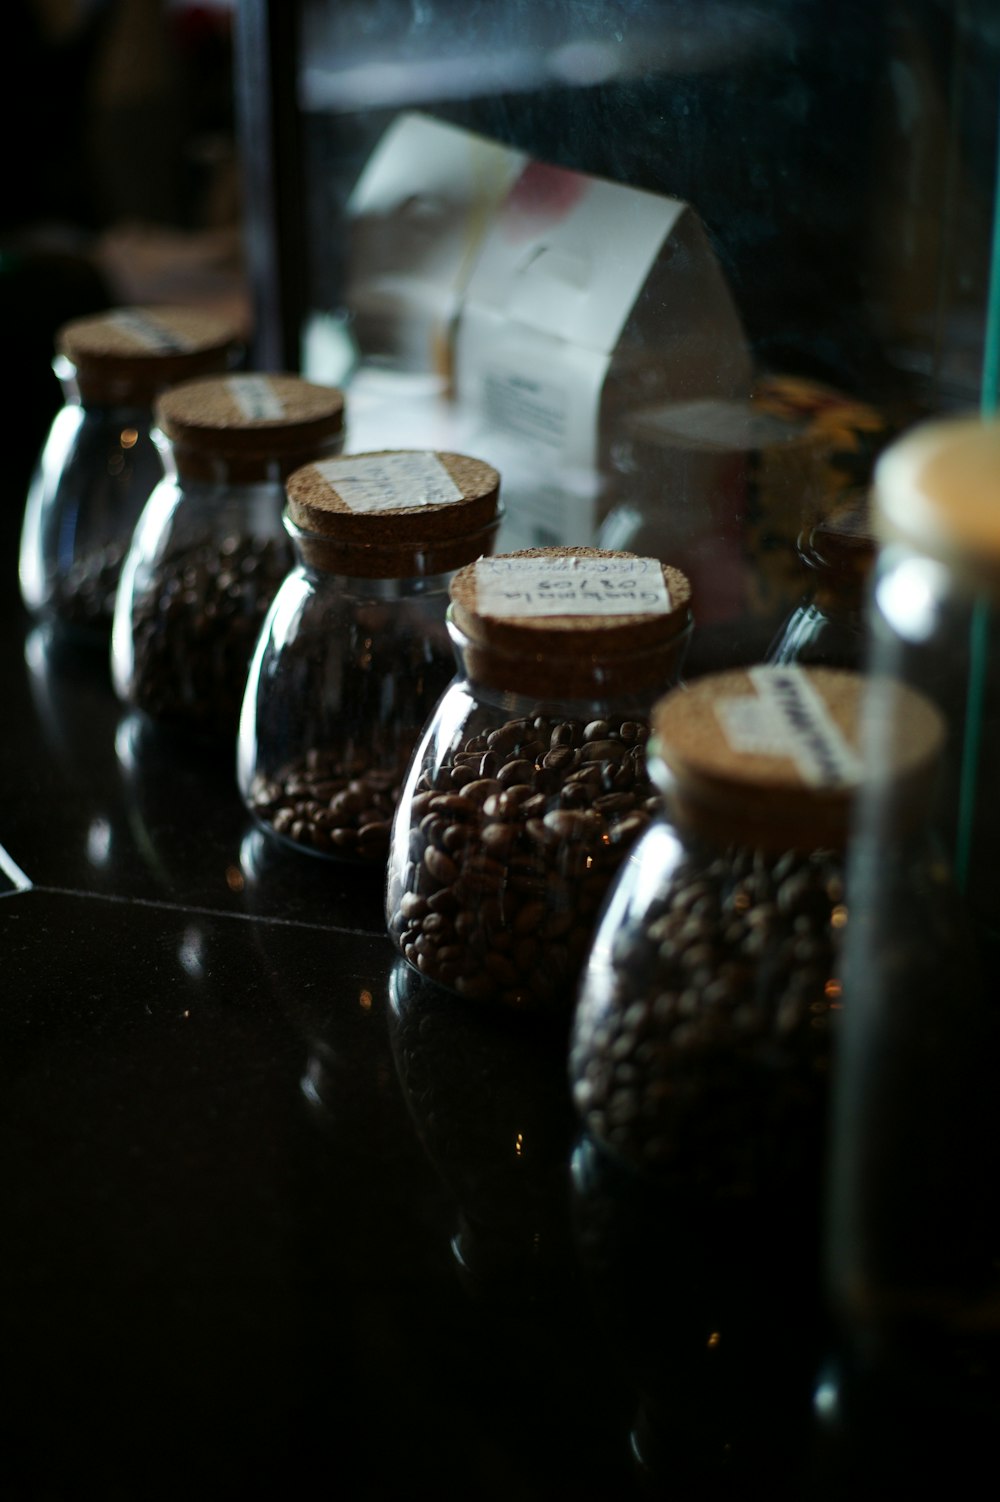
column 633, row 682
column 433, row 560
column 363, row 589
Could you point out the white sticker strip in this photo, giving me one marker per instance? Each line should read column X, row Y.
column 148, row 332
column 571, row 586
column 789, row 718
column 256, row 397
column 385, row 482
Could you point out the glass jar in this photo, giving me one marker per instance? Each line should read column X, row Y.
column 354, row 653
column 913, row 1249
column 209, row 550
column 724, row 487
column 99, row 462
column 827, row 627
column 528, row 787
column 700, row 1055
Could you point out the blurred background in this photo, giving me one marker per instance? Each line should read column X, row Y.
column 121, row 176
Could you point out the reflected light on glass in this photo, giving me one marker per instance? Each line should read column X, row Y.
column 235, row 880
column 583, row 62
column 365, row 1001
column 191, row 953
column 310, row 1082
column 128, row 438
column 908, row 595
column 825, row 1400
column 126, row 743
column 99, row 842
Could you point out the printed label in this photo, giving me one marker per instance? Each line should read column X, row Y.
column 788, row 717
column 571, row 586
column 385, row 482
column 525, row 405
column 147, row 331
column 256, row 398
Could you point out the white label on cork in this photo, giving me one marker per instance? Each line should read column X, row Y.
column 148, row 332
column 255, row 397
column 385, row 482
column 571, row 586
column 788, row 717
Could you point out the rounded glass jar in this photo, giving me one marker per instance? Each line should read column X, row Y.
column 99, row 461
column 354, row 654
column 701, row 1051
column 827, row 628
column 528, row 787
column 210, row 550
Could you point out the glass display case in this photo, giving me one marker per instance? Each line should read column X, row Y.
column 445, row 189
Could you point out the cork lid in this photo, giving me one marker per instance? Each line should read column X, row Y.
column 771, row 757
column 393, row 511
column 250, row 426
column 130, row 354
column 542, row 620
column 938, row 488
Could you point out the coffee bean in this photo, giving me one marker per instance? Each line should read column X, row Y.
column 85, row 594
column 529, row 880
column 715, row 1020
column 194, row 629
column 353, row 823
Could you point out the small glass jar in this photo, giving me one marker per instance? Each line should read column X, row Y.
column 828, row 626
column 354, row 654
column 99, row 462
column 701, row 1048
column 209, row 550
column 528, row 788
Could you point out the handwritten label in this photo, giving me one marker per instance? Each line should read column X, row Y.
column 787, row 717
column 385, row 482
column 147, row 331
column 571, row 586
column 255, row 397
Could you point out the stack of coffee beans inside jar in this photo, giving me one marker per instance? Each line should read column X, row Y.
column 530, row 786
column 210, row 551
column 354, row 654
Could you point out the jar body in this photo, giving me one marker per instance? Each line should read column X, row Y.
column 913, row 1241
column 698, row 1063
column 701, row 1035
column 96, row 471
column 204, row 565
column 344, row 677
column 514, row 816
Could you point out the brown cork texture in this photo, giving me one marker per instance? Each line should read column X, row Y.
column 315, row 506
column 113, row 364
column 751, row 798
column 576, row 656
column 937, row 488
column 207, row 427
